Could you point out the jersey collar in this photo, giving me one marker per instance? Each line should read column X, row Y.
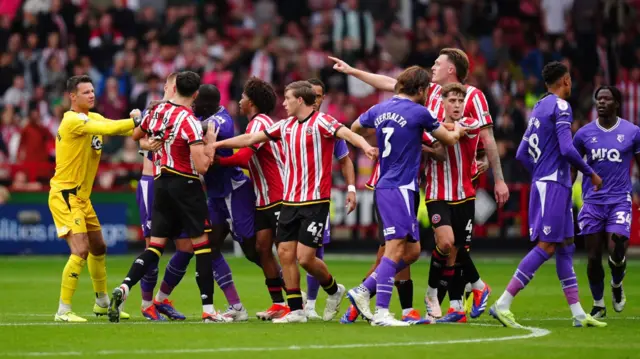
column 608, row 129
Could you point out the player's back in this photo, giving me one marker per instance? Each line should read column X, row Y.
column 399, row 124
column 220, row 180
column 609, row 152
column 543, row 145
column 77, row 154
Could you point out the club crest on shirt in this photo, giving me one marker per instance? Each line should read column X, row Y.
column 546, row 230
column 309, row 131
column 620, row 138
column 435, row 218
column 562, row 104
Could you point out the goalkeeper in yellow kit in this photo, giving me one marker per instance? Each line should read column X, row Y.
column 78, row 150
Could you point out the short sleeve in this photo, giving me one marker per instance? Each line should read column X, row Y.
column 428, row 139
column 563, row 112
column 256, row 125
column 191, row 130
column 480, row 109
column 636, row 141
column 327, row 125
column 275, row 131
column 427, row 119
column 146, row 118
column 473, row 125
column 367, row 119
column 340, row 149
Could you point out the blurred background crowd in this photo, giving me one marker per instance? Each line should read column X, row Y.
column 128, row 47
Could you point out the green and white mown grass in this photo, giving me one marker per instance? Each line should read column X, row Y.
column 29, row 289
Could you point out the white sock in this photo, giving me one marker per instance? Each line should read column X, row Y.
column 160, row 297
column 432, row 292
column 478, row 285
column 504, row 302
column 599, row 303
column 456, row 305
column 102, row 300
column 208, row 308
column 614, row 285
column 406, row 311
column 577, row 311
column 382, row 311
column 63, row 308
column 280, row 303
column 237, row 306
column 146, row 304
column 311, row 304
column 125, row 288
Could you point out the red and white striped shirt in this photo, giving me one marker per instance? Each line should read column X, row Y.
column 630, row 101
column 475, row 104
column 452, row 179
column 308, row 147
column 266, row 166
column 176, row 126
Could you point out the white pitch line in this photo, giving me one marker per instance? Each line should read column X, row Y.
column 533, row 333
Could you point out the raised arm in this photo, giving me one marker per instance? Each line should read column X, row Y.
column 358, row 141
column 381, row 82
column 447, row 137
column 246, row 140
column 240, row 158
column 110, row 128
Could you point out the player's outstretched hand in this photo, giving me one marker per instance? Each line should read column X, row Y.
column 596, row 181
column 211, row 132
column 351, row 202
column 501, row 192
column 341, row 66
column 136, row 115
column 155, row 144
column 372, row 152
column 460, row 129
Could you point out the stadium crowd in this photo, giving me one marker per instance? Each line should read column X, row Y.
column 128, row 47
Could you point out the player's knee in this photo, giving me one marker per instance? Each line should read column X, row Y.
column 306, row 260
column 411, row 254
column 286, row 254
column 184, row 245
column 81, row 251
column 98, row 249
column 251, row 254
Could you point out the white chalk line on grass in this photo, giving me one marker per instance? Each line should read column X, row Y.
column 533, row 333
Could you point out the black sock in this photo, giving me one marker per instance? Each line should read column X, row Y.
column 405, row 293
column 469, row 270
column 445, row 283
column 456, row 285
column 436, row 267
column 331, row 286
column 204, row 272
column 148, row 258
column 294, row 298
column 274, row 285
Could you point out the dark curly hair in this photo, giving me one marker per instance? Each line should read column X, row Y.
column 261, row 94
column 207, row 102
column 554, row 71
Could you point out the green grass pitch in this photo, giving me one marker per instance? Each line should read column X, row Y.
column 29, row 289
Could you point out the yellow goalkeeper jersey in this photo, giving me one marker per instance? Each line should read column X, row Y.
column 78, row 149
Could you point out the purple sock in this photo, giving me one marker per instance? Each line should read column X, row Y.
column 526, row 269
column 386, row 272
column 312, row 283
column 564, row 269
column 222, row 276
column 371, row 281
column 175, row 271
column 148, row 283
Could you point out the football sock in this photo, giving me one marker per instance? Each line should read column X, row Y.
column 98, row 273
column 469, row 270
column 224, row 278
column 617, row 259
column 456, row 288
column 523, row 275
column 436, row 267
column 147, row 285
column 148, row 258
column 405, row 293
column 567, row 277
column 274, row 285
column 331, row 286
column 173, row 274
column 70, row 276
column 312, row 283
column 595, row 273
column 204, row 274
column 386, row 271
column 294, row 299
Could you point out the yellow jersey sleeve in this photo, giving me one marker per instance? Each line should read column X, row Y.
column 95, row 124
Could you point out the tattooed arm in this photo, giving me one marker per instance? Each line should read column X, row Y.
column 500, row 188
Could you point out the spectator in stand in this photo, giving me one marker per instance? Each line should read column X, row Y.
column 34, row 139
column 153, row 92
column 630, row 89
column 353, row 31
column 17, row 95
column 104, row 42
column 10, row 131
